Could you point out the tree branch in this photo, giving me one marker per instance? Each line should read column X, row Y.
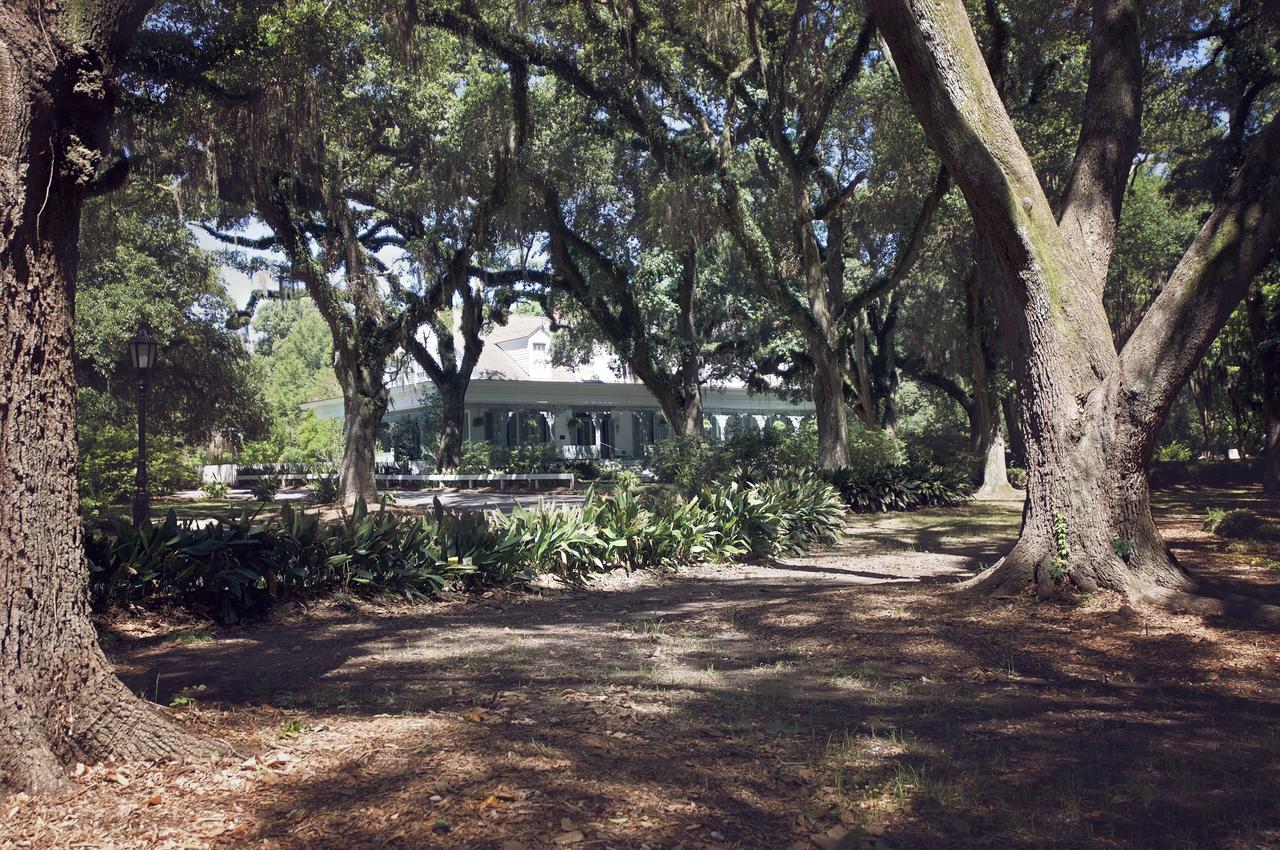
column 1108, row 135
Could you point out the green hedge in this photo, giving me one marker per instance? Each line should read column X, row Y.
column 238, row 566
column 108, row 464
column 897, row 487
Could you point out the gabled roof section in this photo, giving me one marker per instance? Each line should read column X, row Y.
column 496, row 364
column 517, row 327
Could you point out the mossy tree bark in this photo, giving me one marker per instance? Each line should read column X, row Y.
column 1090, row 413
column 1266, row 340
column 59, row 700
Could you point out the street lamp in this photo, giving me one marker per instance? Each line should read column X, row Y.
column 142, row 353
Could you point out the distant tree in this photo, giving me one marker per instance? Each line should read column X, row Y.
column 139, row 261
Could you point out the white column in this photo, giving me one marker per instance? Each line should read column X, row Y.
column 626, row 440
column 596, row 424
column 760, row 421
column 795, row 423
column 721, row 421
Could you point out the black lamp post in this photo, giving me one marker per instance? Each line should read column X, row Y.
column 142, row 353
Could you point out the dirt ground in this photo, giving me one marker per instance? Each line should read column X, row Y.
column 846, row 699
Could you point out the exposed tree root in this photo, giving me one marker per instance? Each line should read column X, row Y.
column 103, row 722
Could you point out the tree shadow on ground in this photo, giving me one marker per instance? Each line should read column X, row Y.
column 954, row 735
column 754, row 710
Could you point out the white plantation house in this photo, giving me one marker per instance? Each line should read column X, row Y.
column 518, row 397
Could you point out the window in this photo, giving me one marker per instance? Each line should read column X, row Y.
column 539, row 346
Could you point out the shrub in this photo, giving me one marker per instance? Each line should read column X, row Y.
column 897, row 487
column 774, row 517
column 683, row 461
column 477, row 456
column 214, row 490
column 1175, row 451
column 533, row 458
column 325, row 487
column 1234, row 523
column 108, row 463
column 552, row 540
column 873, row 448
column 1017, row 477
column 264, row 488
column 240, row 565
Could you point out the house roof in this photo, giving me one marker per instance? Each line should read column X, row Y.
column 497, row 363
column 494, row 363
column 517, row 327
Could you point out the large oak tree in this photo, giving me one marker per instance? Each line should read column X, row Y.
column 59, row 700
column 1092, row 411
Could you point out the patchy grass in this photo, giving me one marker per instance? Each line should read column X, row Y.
column 199, row 636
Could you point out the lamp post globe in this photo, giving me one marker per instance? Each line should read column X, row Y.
column 142, row 355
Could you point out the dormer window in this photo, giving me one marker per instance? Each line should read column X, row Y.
column 539, row 347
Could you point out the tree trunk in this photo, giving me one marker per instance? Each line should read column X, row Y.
column 995, row 473
column 828, row 403
column 453, row 424
column 688, row 420
column 1271, row 460
column 59, row 700
column 1091, row 413
column 866, row 404
column 363, row 412
column 1266, row 349
column 1087, row 522
column 1013, row 427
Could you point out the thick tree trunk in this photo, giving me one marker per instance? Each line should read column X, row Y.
column 1013, row 427
column 453, row 424
column 833, row 427
column 59, row 700
column 684, row 413
column 363, row 412
column 1087, row 523
column 1268, row 358
column 1090, row 413
column 995, row 473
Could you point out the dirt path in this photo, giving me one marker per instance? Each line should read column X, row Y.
column 845, row 699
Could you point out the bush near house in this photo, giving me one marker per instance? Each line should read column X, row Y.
column 898, row 487
column 239, row 565
column 879, row 477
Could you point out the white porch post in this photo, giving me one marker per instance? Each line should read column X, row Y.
column 722, row 425
column 626, row 433
column 596, row 423
column 795, row 423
